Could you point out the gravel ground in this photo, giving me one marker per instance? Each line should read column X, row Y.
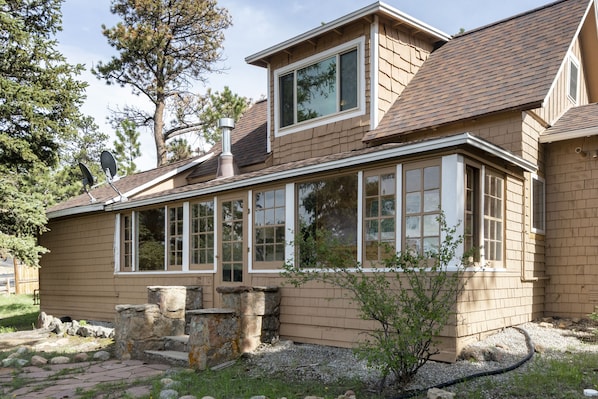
column 326, row 364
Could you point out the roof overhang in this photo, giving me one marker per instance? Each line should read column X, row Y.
column 374, row 8
column 573, row 134
column 464, row 139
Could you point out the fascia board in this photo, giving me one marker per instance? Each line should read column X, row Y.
column 363, row 12
column 410, row 149
column 574, row 134
column 75, row 211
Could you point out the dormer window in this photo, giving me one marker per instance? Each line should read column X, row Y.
column 313, row 91
column 573, row 82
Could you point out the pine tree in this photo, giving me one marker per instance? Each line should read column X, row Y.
column 127, row 147
column 39, row 101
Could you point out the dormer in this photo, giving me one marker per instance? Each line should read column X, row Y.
column 332, row 84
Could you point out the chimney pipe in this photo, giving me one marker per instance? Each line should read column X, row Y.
column 226, row 166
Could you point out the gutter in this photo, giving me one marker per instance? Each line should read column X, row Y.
column 409, row 149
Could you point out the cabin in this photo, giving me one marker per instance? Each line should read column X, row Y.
column 373, row 124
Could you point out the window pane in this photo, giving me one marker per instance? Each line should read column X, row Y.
column 413, row 203
column 371, row 207
column 269, row 226
column 388, row 184
column 371, row 185
column 348, row 80
column 286, row 100
column 573, row 79
column 151, row 224
column 388, row 206
column 431, row 201
column 412, row 226
column 329, row 206
column 316, row 90
column 413, row 180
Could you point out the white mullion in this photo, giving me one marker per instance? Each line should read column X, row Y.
column 216, row 239
column 399, row 209
column 250, row 231
column 117, row 246
column 134, row 242
column 481, row 214
column 360, row 217
column 186, row 235
column 289, row 216
column 166, row 236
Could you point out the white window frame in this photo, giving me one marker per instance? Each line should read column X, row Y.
column 534, row 229
column 358, row 43
column 573, row 61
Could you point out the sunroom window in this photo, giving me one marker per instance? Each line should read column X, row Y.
column 269, row 224
column 151, row 237
column 422, row 207
column 320, row 87
column 379, row 215
column 202, row 233
column 327, row 209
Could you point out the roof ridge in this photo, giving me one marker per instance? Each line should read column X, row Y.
column 504, row 20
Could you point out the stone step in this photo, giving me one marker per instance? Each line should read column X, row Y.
column 175, row 358
column 177, row 343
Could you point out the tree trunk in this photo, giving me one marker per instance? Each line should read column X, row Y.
column 161, row 155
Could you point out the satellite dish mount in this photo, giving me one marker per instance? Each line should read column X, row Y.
column 109, row 167
column 87, row 180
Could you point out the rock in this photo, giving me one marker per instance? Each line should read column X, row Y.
column 101, row 355
column 207, row 397
column 313, row 397
column 21, row 362
column 168, row 383
column 188, row 397
column 258, row 397
column 22, row 350
column 169, row 394
column 350, row 394
column 435, row 393
column 73, row 327
column 14, row 362
column 38, row 361
column 85, row 331
column 539, row 348
column 60, row 360
column 563, row 324
column 546, row 325
column 43, row 320
column 81, row 357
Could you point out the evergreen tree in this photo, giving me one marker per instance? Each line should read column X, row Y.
column 127, row 147
column 179, row 149
column 164, row 48
column 39, row 101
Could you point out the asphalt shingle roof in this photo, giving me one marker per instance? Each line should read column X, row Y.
column 510, row 64
column 577, row 118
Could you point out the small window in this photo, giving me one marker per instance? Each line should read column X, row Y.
column 538, row 205
column 493, row 218
column 573, row 82
column 175, row 237
column 269, row 222
column 202, row 233
column 421, row 186
column 379, row 215
column 127, row 248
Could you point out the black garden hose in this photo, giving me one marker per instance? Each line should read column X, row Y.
column 530, row 354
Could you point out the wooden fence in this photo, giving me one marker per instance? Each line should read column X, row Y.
column 24, row 280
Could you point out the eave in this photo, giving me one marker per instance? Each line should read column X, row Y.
column 260, row 58
column 464, row 139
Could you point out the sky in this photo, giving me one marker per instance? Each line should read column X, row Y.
column 257, row 25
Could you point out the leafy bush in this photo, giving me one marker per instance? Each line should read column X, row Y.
column 411, row 296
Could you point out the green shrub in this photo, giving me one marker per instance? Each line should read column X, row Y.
column 411, row 297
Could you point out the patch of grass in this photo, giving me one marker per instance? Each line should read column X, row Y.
column 544, row 377
column 17, row 313
column 234, row 382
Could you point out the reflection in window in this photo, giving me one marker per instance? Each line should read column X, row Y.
column 328, row 207
column 269, row 220
column 379, row 215
column 573, row 79
column 422, row 208
column 320, row 89
column 151, row 239
column 232, row 240
column 538, row 205
column 202, row 233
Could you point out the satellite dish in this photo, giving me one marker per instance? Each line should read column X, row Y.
column 108, row 164
column 87, row 180
column 109, row 167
